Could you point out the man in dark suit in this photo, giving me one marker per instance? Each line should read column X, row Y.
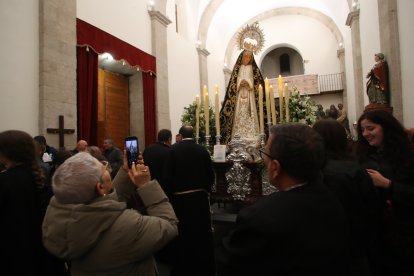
column 49, row 150
column 299, row 230
column 189, row 176
column 156, row 154
column 114, row 155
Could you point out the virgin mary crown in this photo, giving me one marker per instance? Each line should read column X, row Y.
column 251, row 38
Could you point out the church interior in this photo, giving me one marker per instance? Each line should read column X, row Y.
column 90, row 70
column 155, row 57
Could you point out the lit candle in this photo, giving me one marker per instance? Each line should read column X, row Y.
column 197, row 115
column 216, row 106
column 280, row 98
column 272, row 104
column 268, row 112
column 207, row 114
column 287, row 102
column 261, row 108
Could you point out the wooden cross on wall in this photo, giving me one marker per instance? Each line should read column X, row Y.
column 61, row 131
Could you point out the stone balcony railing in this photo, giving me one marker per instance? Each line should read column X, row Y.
column 311, row 83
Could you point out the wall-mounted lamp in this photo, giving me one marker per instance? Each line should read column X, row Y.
column 341, row 45
column 107, row 56
column 151, row 5
column 198, row 44
column 355, row 5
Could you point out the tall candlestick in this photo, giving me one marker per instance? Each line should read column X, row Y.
column 267, row 92
column 204, row 92
column 280, row 83
column 272, row 104
column 207, row 114
column 287, row 102
column 217, row 111
column 261, row 108
column 197, row 115
column 280, row 98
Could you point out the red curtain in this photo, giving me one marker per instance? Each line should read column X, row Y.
column 87, row 95
column 99, row 42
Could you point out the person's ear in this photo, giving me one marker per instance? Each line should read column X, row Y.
column 100, row 189
column 275, row 169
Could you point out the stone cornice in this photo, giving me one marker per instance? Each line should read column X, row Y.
column 203, row 52
column 340, row 52
column 351, row 16
column 157, row 15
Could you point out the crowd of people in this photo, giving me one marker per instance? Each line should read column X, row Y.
column 340, row 208
column 338, row 113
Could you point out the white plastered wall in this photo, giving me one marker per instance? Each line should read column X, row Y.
column 183, row 78
column 128, row 20
column 19, row 67
column 370, row 40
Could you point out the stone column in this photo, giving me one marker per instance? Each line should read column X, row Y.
column 353, row 22
column 341, row 56
column 390, row 47
column 227, row 75
column 202, row 67
column 159, row 23
column 57, row 68
column 136, row 110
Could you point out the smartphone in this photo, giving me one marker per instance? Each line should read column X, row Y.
column 132, row 149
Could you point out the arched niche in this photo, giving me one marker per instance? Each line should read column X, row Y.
column 272, row 64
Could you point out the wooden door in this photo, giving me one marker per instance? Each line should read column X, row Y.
column 113, row 107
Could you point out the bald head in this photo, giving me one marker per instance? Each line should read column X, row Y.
column 82, row 145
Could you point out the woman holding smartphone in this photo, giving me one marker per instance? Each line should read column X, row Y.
column 88, row 222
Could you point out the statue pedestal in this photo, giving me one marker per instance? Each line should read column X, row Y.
column 222, row 193
column 385, row 107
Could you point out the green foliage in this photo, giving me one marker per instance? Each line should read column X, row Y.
column 189, row 117
column 301, row 108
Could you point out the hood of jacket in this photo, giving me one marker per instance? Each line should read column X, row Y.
column 71, row 230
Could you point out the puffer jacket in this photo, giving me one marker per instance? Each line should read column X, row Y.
column 104, row 237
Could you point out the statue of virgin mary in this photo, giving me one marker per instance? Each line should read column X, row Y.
column 240, row 109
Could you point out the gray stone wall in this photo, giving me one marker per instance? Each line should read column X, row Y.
column 57, row 68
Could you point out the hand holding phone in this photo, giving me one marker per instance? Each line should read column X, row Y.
column 132, row 150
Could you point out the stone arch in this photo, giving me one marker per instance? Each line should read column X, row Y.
column 275, row 46
column 205, row 21
column 317, row 15
column 270, row 62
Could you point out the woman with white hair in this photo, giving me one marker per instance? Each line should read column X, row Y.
column 87, row 221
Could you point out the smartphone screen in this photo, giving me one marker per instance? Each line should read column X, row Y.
column 132, row 149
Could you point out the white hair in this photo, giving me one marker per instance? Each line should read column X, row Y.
column 75, row 180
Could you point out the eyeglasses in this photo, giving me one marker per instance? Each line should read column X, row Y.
column 107, row 165
column 263, row 154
